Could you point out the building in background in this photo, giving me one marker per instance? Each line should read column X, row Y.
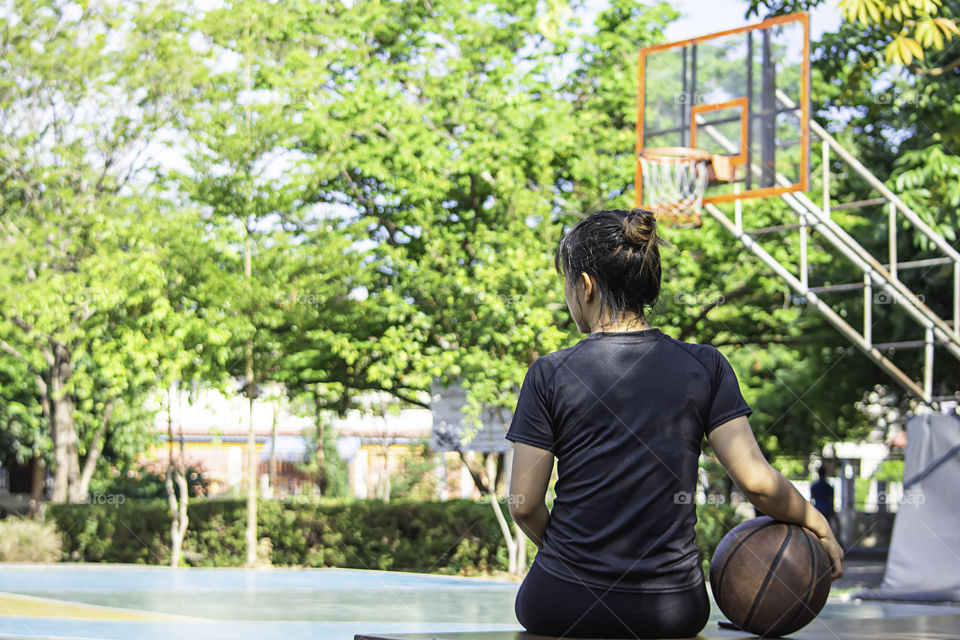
column 376, row 442
column 213, row 429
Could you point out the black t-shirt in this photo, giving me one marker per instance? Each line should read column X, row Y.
column 625, row 413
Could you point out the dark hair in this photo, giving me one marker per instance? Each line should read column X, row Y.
column 619, row 248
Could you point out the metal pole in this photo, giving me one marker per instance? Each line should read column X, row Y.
column 956, row 299
column 799, row 202
column 872, row 180
column 867, row 308
column 738, row 209
column 858, row 255
column 768, row 118
column 804, row 275
column 842, row 241
column 687, row 102
column 892, row 217
column 928, row 366
column 748, row 179
column 826, row 177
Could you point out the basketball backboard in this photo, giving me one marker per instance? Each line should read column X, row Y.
column 742, row 95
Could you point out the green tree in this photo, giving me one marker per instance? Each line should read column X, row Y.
column 79, row 279
column 903, row 29
column 462, row 151
column 245, row 174
column 195, row 343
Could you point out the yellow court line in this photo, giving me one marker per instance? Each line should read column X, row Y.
column 20, row 606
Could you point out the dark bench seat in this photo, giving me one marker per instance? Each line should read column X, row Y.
column 930, row 627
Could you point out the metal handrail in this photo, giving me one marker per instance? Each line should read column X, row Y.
column 885, row 191
column 853, row 251
column 831, row 316
column 884, row 276
column 896, row 205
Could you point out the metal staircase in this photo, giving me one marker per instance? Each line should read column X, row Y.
column 875, row 275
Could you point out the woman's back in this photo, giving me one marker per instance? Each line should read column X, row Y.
column 625, row 414
column 625, row 411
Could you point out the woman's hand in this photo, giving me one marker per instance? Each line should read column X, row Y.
column 836, row 555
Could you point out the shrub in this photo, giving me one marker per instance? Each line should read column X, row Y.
column 24, row 540
column 415, row 479
column 458, row 536
column 452, row 537
column 143, row 484
column 713, row 522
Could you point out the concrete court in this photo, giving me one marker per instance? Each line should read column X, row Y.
column 68, row 601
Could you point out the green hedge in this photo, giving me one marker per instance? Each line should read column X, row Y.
column 453, row 537
column 442, row 537
column 713, row 522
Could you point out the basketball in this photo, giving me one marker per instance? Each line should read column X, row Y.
column 770, row 577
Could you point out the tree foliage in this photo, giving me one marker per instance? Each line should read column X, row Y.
column 399, row 175
column 903, row 29
column 81, row 278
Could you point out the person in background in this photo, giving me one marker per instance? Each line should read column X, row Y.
column 821, row 494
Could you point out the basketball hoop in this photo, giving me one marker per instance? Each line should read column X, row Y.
column 718, row 113
column 675, row 179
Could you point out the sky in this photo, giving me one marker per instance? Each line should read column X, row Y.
column 701, row 17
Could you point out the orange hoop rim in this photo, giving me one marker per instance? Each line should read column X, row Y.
column 675, row 154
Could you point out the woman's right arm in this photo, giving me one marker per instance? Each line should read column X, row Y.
column 766, row 488
column 532, row 468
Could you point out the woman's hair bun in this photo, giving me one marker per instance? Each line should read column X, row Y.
column 620, row 249
column 640, row 227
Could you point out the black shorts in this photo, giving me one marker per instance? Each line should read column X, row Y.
column 549, row 606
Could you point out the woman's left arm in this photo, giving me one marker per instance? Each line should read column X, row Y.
column 530, row 475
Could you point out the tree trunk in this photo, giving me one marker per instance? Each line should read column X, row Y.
column 272, row 468
column 38, row 481
column 93, row 454
column 507, row 536
column 178, row 513
column 516, row 544
column 321, row 455
column 385, row 484
column 491, row 467
column 475, row 473
column 251, row 466
column 89, row 466
column 251, row 433
column 521, row 549
column 501, row 481
column 63, row 428
column 518, row 549
column 176, row 472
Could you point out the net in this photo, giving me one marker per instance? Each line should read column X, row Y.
column 675, row 179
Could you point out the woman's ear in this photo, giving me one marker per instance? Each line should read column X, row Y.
column 588, row 288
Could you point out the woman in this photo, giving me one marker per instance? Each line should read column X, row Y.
column 625, row 411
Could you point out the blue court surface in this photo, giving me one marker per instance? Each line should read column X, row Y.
column 113, row 602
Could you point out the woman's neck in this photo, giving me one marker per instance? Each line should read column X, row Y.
column 635, row 325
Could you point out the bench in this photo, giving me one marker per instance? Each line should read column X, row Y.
column 927, row 627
